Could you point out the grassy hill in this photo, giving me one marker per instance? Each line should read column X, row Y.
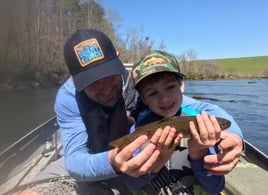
column 244, row 67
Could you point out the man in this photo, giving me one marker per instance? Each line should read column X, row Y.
column 91, row 112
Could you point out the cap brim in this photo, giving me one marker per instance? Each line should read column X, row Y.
column 89, row 76
column 182, row 76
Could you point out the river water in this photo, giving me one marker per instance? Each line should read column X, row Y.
column 245, row 100
column 23, row 110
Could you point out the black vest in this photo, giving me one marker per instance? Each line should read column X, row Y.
column 103, row 124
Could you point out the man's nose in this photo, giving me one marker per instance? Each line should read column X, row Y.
column 105, row 87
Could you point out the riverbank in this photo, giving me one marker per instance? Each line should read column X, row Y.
column 24, row 85
column 216, row 69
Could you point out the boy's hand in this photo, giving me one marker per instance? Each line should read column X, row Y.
column 166, row 141
column 208, row 135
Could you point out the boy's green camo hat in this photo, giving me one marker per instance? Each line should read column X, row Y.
column 153, row 62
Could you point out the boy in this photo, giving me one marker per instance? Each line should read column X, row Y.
column 160, row 85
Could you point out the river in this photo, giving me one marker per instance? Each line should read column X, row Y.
column 245, row 100
column 22, row 111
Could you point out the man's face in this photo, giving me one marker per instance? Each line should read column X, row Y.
column 105, row 91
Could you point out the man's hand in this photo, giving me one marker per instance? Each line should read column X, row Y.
column 138, row 165
column 151, row 158
column 222, row 163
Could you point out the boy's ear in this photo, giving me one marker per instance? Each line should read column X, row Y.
column 182, row 86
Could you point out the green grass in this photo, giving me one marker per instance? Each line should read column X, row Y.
column 246, row 66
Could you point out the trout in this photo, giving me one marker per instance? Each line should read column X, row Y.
column 180, row 123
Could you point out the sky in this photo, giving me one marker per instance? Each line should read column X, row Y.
column 212, row 28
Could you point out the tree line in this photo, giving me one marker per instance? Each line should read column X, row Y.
column 34, row 32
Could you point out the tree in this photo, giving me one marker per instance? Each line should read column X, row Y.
column 187, row 59
column 31, row 46
column 265, row 72
column 32, row 43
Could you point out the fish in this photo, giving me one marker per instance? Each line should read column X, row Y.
column 180, row 123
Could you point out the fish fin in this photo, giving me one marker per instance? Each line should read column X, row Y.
column 141, row 128
column 138, row 129
column 118, row 143
column 123, row 141
column 165, row 119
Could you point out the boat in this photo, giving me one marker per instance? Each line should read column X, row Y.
column 24, row 159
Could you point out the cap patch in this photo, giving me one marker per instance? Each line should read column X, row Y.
column 151, row 63
column 88, row 52
column 154, row 60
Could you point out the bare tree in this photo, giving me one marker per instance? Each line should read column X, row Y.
column 187, row 59
column 31, row 46
column 208, row 69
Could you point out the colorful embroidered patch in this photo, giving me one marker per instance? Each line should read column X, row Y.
column 153, row 63
column 88, row 52
column 154, row 60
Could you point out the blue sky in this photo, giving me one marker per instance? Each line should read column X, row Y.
column 212, row 28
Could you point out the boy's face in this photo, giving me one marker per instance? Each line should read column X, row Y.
column 164, row 96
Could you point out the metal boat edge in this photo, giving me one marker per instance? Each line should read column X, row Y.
column 25, row 158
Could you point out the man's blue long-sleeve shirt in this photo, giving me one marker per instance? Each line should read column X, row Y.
column 79, row 162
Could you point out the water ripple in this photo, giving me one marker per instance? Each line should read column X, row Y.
column 247, row 103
